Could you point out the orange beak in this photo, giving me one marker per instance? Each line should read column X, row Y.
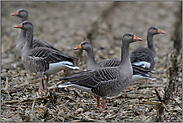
column 15, row 13
column 18, row 26
column 160, row 31
column 78, row 47
column 135, row 38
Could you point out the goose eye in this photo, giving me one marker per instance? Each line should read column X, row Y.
column 130, row 35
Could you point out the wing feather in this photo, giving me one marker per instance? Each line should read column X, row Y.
column 35, row 64
column 142, row 54
column 109, row 63
column 92, row 78
column 49, row 55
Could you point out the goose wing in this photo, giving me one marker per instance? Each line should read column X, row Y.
column 49, row 55
column 142, row 54
column 93, row 78
column 109, row 63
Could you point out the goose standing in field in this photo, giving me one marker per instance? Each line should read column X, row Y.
column 146, row 56
column 138, row 71
column 21, row 38
column 42, row 59
column 107, row 81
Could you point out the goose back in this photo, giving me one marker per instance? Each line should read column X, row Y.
column 143, row 54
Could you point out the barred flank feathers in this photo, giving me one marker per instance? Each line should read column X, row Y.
column 37, row 64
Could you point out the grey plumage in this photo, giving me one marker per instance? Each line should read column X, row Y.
column 147, row 54
column 42, row 59
column 92, row 64
column 35, row 64
column 106, row 81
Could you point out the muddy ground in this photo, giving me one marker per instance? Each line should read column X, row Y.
column 65, row 25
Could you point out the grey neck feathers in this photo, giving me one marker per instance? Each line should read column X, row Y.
column 90, row 56
column 125, row 58
column 29, row 37
column 150, row 43
column 28, row 44
column 23, row 33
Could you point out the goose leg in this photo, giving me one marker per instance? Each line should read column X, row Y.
column 41, row 83
column 98, row 102
column 103, row 104
column 40, row 74
column 47, row 81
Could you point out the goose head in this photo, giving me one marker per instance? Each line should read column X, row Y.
column 84, row 45
column 130, row 38
column 26, row 25
column 22, row 13
column 153, row 30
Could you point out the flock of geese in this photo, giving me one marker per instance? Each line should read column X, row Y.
column 102, row 79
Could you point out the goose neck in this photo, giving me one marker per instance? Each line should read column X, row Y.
column 125, row 58
column 90, row 57
column 150, row 43
column 29, row 38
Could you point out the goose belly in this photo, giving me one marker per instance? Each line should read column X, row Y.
column 80, row 87
column 143, row 64
column 86, row 89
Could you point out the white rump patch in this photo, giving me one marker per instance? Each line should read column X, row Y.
column 139, row 77
column 143, row 64
column 56, row 67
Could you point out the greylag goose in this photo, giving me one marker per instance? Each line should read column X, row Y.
column 21, row 38
column 146, row 56
column 138, row 71
column 42, row 59
column 106, row 81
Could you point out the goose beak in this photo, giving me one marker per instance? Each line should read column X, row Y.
column 135, row 38
column 18, row 26
column 78, row 47
column 14, row 14
column 161, row 32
